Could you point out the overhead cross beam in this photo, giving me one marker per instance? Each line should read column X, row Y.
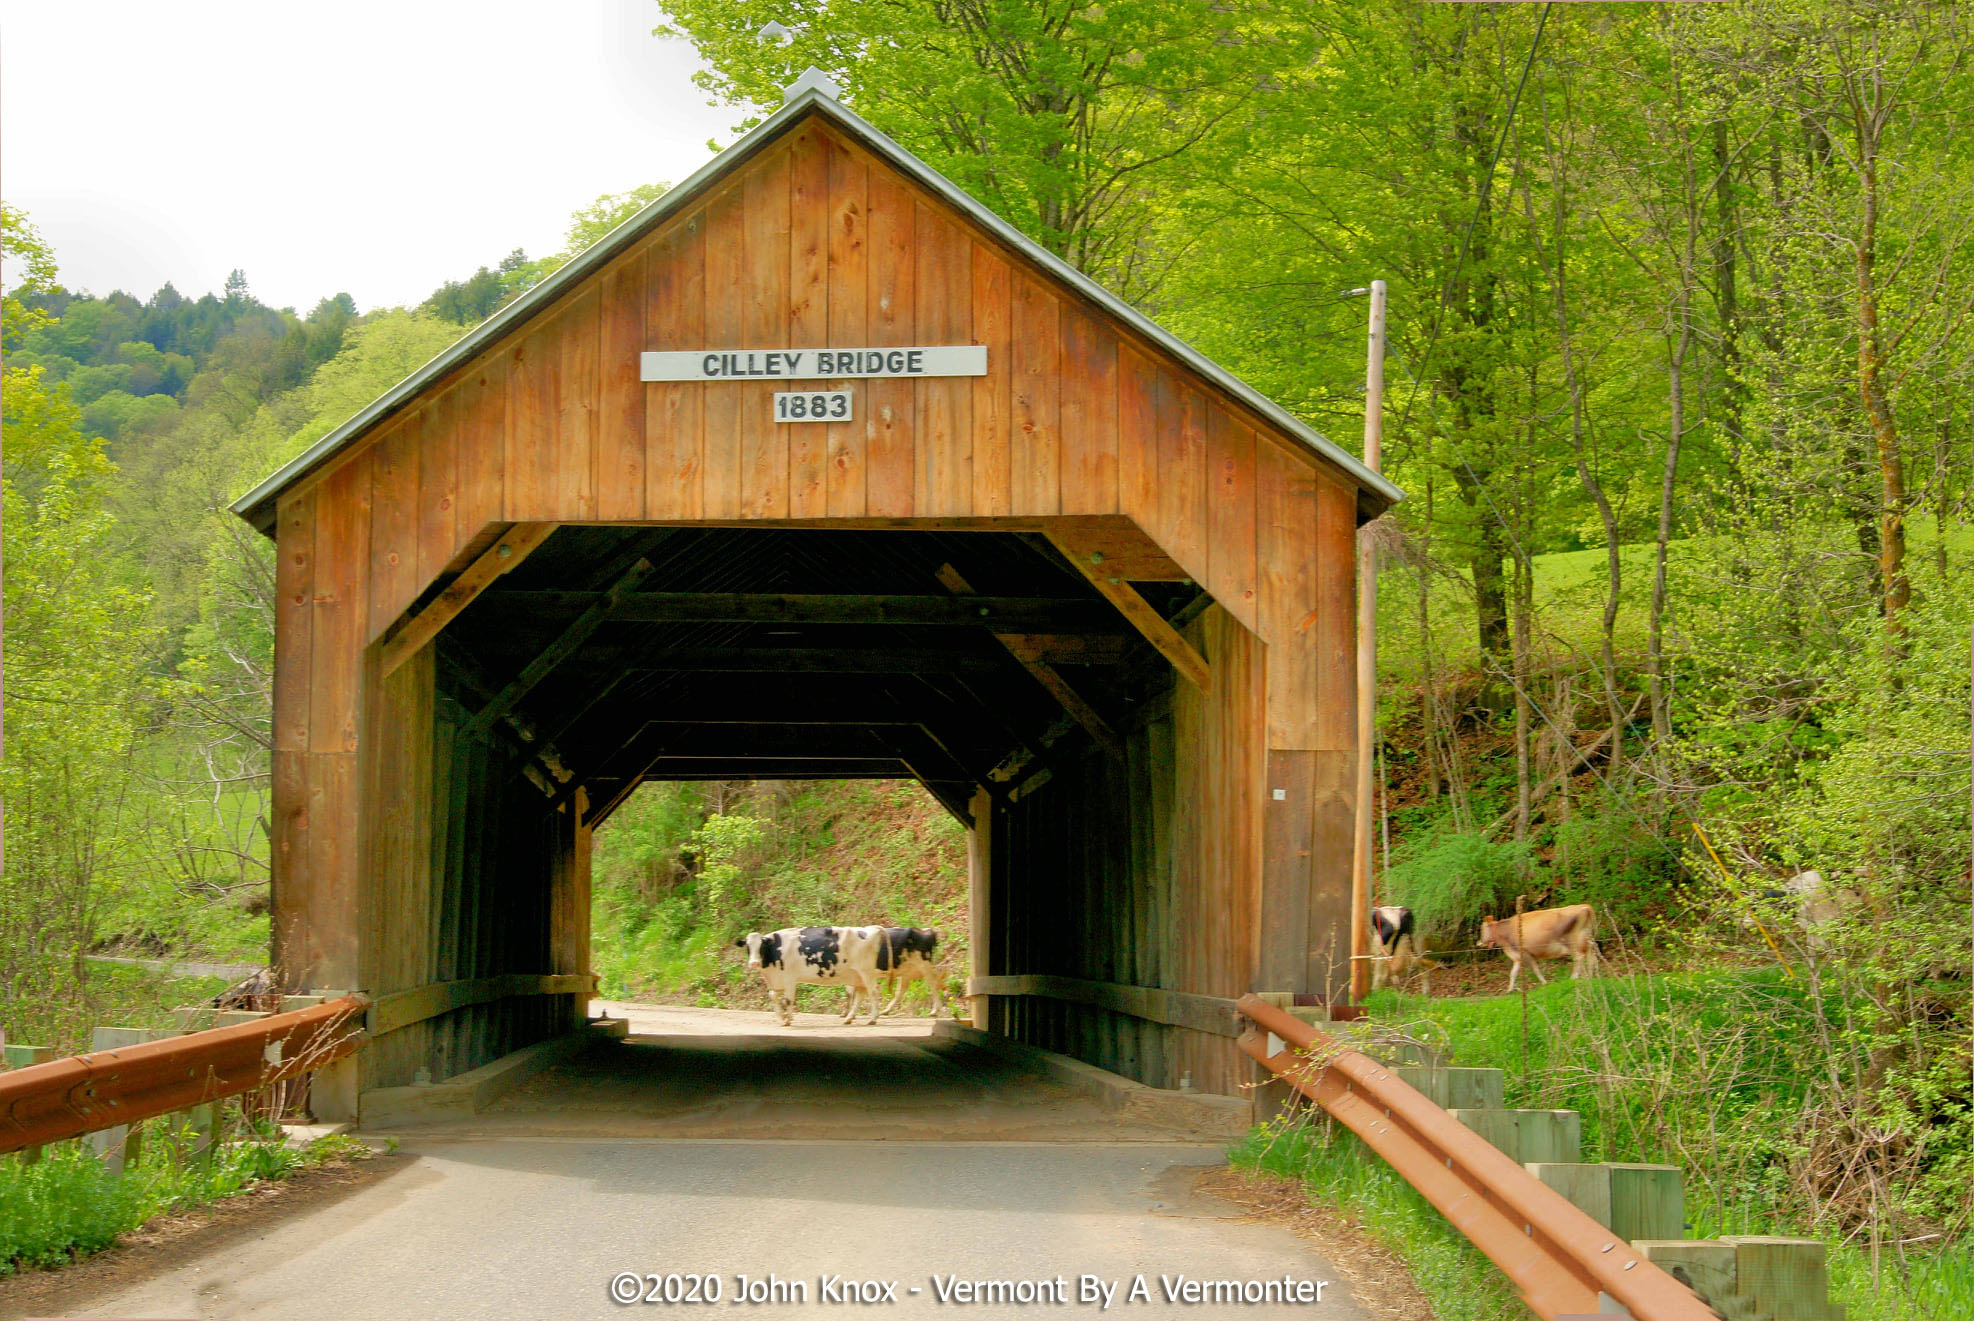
column 1007, row 614
column 564, row 646
column 817, row 660
column 1089, row 561
column 1045, row 673
column 506, row 552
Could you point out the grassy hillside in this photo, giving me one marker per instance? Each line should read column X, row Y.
column 682, row 870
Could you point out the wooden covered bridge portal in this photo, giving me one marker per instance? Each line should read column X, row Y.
column 1093, row 593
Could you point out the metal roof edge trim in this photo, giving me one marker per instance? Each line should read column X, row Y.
column 688, row 190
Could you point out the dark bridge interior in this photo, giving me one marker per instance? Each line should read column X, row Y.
column 614, row 655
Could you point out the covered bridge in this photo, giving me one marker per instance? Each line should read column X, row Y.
column 817, row 469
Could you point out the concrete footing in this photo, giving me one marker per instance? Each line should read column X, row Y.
column 1198, row 1114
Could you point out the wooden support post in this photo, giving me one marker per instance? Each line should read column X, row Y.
column 979, row 891
column 1553, row 1136
column 1704, row 1265
column 1045, row 674
column 1456, row 1089
column 564, row 646
column 1784, row 1276
column 116, row 1147
column 203, row 1121
column 332, row 1092
column 1367, row 661
column 1137, row 611
column 1647, row 1201
column 421, row 628
column 19, row 1057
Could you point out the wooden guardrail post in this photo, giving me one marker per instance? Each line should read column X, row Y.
column 19, row 1057
column 1549, row 1136
column 1632, row 1201
column 1563, row 1262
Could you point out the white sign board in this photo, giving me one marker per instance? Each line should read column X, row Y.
column 812, row 364
column 812, row 406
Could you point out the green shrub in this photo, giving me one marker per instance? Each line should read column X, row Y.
column 1455, row 879
column 1618, row 861
column 66, row 1205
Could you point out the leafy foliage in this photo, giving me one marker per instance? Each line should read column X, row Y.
column 681, row 872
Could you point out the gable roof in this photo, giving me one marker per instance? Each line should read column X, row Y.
column 258, row 505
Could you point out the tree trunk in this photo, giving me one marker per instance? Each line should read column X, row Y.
column 1894, row 587
column 1558, row 267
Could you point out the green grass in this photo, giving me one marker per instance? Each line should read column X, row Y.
column 66, row 1205
column 110, row 995
column 1570, row 587
column 1336, row 1170
column 1707, row 1070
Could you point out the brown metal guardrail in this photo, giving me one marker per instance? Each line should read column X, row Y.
column 66, row 1098
column 1558, row 1257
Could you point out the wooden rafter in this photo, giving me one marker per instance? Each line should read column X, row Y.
column 506, row 552
column 564, row 646
column 1139, row 612
column 541, row 763
column 1045, row 674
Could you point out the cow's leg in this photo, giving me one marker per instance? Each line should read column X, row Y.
column 1535, row 966
column 1514, row 971
column 851, row 985
column 899, row 984
column 869, row 980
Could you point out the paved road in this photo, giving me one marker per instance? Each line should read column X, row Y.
column 534, row 1209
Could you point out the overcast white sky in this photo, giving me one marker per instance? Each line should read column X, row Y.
column 373, row 146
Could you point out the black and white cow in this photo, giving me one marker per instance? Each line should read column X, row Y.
column 827, row 956
column 1392, row 943
column 907, row 956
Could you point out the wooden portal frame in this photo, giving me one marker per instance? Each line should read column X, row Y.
column 398, row 826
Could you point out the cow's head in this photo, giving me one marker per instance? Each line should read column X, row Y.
column 1488, row 934
column 761, row 949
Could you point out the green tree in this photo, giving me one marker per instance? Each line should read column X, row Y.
column 30, row 271
column 76, row 653
column 1066, row 117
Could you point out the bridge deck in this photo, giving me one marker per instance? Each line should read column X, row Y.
column 717, row 1073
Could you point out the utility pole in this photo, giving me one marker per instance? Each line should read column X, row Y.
column 1367, row 660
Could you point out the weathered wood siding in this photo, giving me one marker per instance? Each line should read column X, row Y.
column 1076, row 416
column 1143, row 871
column 815, row 241
column 465, row 872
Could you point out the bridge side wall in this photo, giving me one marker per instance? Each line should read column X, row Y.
column 1143, row 871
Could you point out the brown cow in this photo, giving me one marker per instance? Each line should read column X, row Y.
column 1546, row 933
